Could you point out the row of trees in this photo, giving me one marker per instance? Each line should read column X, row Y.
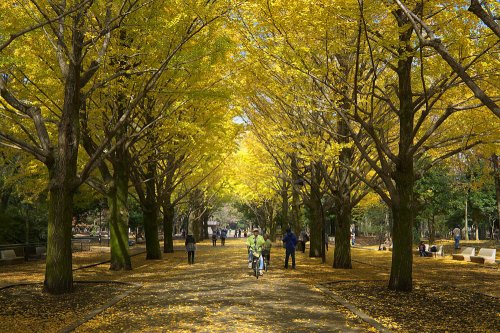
column 111, row 94
column 341, row 99
column 350, row 98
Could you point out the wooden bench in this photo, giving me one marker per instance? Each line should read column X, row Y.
column 465, row 254
column 485, row 256
column 10, row 257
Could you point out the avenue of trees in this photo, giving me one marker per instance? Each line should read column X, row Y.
column 326, row 113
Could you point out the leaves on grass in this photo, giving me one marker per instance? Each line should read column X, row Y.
column 428, row 308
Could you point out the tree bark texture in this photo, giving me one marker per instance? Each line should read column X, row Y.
column 403, row 176
column 343, row 205
column 342, row 251
column 150, row 214
column 118, row 223
column 58, row 264
column 496, row 175
column 295, row 218
column 284, row 207
column 168, row 225
column 315, row 207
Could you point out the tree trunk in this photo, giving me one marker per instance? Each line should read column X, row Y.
column 284, row 206
column 403, row 176
column 496, row 175
column 466, row 218
column 343, row 206
column 58, row 264
column 118, row 218
column 204, row 224
column 62, row 185
column 150, row 215
column 316, row 227
column 342, row 251
column 168, row 225
column 295, row 225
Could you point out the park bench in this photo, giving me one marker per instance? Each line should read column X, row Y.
column 465, row 254
column 80, row 244
column 10, row 257
column 438, row 253
column 485, row 256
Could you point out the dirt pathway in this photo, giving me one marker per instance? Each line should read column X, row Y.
column 218, row 294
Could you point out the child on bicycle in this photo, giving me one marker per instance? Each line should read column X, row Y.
column 266, row 249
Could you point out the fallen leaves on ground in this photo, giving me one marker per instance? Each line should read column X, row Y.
column 27, row 308
column 428, row 308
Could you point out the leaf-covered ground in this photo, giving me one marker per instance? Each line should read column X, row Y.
column 27, row 308
column 428, row 308
column 218, row 294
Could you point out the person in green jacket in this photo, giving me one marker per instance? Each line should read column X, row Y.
column 255, row 243
column 266, row 249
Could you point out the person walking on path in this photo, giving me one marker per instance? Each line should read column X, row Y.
column 290, row 242
column 214, row 239
column 223, row 235
column 456, row 236
column 303, row 238
column 190, row 248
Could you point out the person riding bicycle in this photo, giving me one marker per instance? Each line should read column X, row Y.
column 255, row 243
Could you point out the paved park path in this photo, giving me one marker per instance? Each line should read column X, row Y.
column 219, row 294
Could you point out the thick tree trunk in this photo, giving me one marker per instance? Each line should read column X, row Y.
column 62, row 185
column 343, row 206
column 316, row 226
column 168, row 226
column 150, row 215
column 204, row 224
column 118, row 220
column 403, row 176
column 342, row 252
column 58, row 264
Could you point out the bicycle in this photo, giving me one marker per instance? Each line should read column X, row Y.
column 264, row 255
column 255, row 265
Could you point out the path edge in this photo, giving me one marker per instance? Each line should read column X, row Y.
column 364, row 316
column 100, row 309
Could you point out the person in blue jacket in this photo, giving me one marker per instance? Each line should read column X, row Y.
column 290, row 241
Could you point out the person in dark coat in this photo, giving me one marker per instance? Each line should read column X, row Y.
column 290, row 241
column 190, row 248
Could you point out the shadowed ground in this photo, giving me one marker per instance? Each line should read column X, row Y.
column 219, row 294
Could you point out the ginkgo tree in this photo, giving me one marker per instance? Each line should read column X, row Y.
column 42, row 88
column 254, row 179
column 396, row 104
